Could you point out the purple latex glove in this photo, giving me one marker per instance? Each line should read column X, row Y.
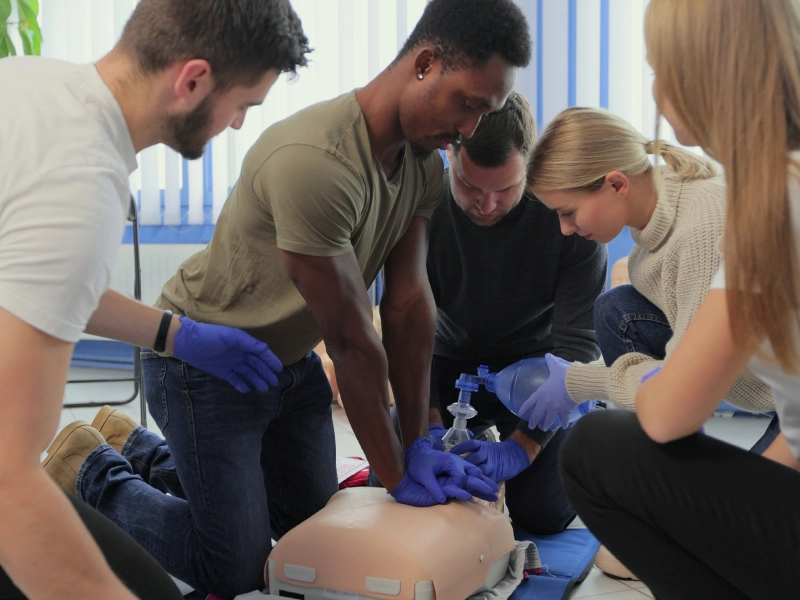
column 499, row 461
column 227, row 353
column 425, row 466
column 436, row 433
column 550, row 405
column 650, row 373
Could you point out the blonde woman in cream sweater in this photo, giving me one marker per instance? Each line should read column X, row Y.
column 593, row 169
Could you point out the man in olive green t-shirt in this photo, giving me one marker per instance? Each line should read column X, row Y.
column 326, row 198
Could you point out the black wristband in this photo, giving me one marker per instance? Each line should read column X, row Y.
column 163, row 330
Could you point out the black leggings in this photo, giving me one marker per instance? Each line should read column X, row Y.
column 694, row 518
column 134, row 567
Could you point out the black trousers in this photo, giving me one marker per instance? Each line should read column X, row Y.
column 536, row 500
column 134, row 567
column 695, row 518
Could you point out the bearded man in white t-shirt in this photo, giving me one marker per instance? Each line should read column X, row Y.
column 182, row 73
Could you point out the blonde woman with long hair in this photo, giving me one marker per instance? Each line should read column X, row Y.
column 694, row 517
column 594, row 170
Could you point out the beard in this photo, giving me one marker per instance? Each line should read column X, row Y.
column 188, row 134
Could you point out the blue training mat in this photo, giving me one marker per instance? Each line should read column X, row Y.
column 566, row 558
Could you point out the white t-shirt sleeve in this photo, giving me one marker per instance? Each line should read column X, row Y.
column 59, row 240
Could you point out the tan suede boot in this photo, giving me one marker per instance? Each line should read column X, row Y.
column 115, row 426
column 66, row 454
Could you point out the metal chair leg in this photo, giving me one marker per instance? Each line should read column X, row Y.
column 137, row 378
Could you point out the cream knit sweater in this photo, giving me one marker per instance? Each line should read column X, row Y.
column 672, row 265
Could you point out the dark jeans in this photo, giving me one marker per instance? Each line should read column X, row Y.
column 626, row 321
column 134, row 567
column 238, row 468
column 535, row 498
column 694, row 518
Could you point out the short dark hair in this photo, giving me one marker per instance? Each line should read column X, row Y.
column 240, row 39
column 467, row 33
column 500, row 133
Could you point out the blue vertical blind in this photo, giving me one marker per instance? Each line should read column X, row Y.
column 586, row 52
column 353, row 41
column 590, row 53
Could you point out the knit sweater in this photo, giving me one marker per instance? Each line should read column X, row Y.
column 672, row 265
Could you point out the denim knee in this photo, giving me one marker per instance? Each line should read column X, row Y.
column 604, row 304
column 610, row 306
column 238, row 573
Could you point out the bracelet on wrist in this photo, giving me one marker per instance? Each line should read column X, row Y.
column 163, row 329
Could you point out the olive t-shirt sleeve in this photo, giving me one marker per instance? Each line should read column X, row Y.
column 433, row 190
column 313, row 197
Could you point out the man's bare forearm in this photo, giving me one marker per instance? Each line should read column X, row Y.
column 408, row 340
column 127, row 320
column 362, row 375
column 531, row 447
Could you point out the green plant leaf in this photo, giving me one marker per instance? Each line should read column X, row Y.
column 6, row 47
column 5, row 11
column 28, row 9
column 28, row 26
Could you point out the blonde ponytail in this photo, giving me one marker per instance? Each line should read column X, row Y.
column 582, row 145
column 686, row 165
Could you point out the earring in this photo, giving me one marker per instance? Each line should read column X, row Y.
column 420, row 76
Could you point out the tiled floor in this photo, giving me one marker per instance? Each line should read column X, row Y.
column 741, row 431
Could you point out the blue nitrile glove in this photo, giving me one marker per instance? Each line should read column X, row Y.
column 477, row 487
column 437, row 432
column 410, row 492
column 227, row 353
column 425, row 465
column 499, row 461
column 650, row 373
column 551, row 401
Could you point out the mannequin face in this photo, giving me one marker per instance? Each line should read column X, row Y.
column 486, row 195
column 596, row 215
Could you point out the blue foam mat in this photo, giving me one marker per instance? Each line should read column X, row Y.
column 566, row 558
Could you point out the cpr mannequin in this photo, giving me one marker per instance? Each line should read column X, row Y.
column 364, row 544
column 327, row 363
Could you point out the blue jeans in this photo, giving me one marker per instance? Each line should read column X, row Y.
column 238, row 469
column 625, row 321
